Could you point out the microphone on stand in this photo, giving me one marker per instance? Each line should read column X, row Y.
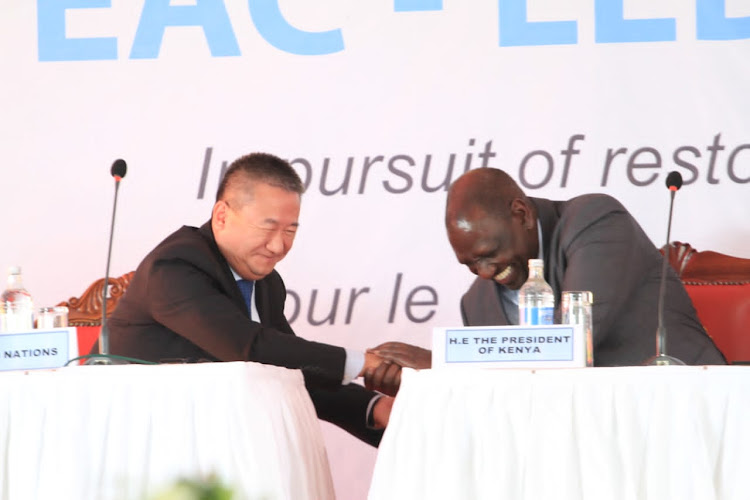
column 674, row 182
column 118, row 170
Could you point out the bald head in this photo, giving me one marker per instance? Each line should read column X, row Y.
column 492, row 226
column 484, row 190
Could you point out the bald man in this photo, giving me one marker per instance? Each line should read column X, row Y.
column 589, row 242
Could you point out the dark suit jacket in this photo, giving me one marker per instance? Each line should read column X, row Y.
column 593, row 243
column 183, row 304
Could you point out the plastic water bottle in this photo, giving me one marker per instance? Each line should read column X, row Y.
column 536, row 301
column 16, row 307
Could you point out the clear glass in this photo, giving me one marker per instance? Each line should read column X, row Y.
column 16, row 305
column 536, row 301
column 575, row 309
column 52, row 317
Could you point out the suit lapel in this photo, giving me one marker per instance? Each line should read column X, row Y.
column 261, row 301
column 224, row 273
column 483, row 305
column 548, row 218
column 549, row 213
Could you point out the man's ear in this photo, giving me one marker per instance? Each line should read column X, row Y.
column 219, row 214
column 521, row 209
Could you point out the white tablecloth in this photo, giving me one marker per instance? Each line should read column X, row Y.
column 127, row 432
column 595, row 433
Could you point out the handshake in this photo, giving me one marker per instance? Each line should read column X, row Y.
column 382, row 370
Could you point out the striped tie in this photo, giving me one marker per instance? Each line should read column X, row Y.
column 246, row 289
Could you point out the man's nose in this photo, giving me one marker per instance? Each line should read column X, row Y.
column 276, row 243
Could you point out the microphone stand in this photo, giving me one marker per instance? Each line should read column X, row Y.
column 661, row 358
column 103, row 357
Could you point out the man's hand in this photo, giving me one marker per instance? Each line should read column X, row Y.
column 382, row 412
column 406, row 355
column 381, row 375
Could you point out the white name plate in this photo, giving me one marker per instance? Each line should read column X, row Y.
column 35, row 349
column 550, row 346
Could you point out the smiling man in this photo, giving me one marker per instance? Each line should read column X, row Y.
column 212, row 294
column 590, row 242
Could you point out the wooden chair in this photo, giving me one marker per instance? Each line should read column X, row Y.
column 85, row 312
column 719, row 286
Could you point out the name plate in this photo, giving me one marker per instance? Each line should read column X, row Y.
column 36, row 349
column 549, row 346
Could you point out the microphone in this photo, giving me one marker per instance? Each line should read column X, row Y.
column 118, row 171
column 674, row 182
column 119, row 168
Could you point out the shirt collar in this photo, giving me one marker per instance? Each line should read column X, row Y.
column 541, row 241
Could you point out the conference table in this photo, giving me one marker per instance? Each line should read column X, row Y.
column 132, row 431
column 656, row 432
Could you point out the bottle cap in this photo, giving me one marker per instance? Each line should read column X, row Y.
column 585, row 297
column 14, row 270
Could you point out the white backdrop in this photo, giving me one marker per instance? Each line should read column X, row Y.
column 379, row 104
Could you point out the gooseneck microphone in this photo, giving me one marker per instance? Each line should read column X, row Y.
column 674, row 182
column 118, row 170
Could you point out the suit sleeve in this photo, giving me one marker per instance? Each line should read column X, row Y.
column 346, row 406
column 191, row 303
column 342, row 405
column 605, row 254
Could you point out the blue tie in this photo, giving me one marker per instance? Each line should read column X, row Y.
column 246, row 289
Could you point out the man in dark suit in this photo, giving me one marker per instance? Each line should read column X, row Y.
column 212, row 294
column 591, row 243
